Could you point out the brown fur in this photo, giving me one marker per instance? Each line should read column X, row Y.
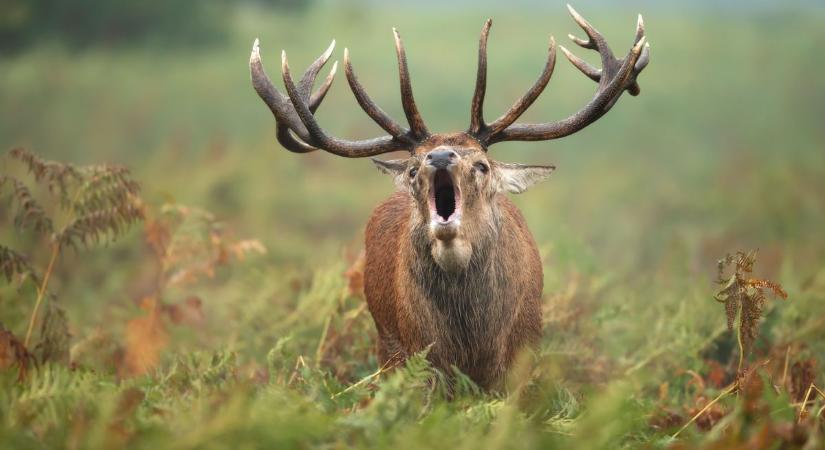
column 476, row 319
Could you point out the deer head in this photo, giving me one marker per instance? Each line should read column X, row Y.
column 451, row 176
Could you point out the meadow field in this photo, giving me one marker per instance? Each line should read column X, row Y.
column 232, row 316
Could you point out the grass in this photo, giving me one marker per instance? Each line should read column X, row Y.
column 721, row 152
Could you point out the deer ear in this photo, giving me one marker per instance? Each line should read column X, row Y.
column 392, row 167
column 516, row 178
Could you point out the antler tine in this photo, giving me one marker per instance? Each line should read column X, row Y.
column 521, row 105
column 644, row 58
column 370, row 107
column 283, row 134
column 597, row 107
column 591, row 72
column 477, row 108
column 614, row 77
column 417, row 126
column 281, row 107
column 308, row 78
column 595, row 39
column 318, row 96
column 317, row 136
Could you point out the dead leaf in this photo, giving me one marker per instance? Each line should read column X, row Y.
column 717, row 376
column 157, row 236
column 13, row 352
column 776, row 288
column 146, row 338
column 242, row 248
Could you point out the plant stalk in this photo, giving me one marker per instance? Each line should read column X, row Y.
column 41, row 292
column 739, row 336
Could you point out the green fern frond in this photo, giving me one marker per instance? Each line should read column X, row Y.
column 51, row 393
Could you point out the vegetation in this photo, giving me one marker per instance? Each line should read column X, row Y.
column 97, row 203
column 244, row 326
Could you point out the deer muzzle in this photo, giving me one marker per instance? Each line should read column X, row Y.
column 444, row 199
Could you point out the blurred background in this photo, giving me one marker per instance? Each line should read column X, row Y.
column 726, row 138
column 724, row 150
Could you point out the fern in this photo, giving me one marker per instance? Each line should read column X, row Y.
column 98, row 226
column 54, row 335
column 51, row 394
column 15, row 266
column 89, row 205
column 58, row 176
column 29, row 212
column 190, row 243
column 744, row 298
column 104, row 187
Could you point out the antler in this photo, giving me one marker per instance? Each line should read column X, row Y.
column 307, row 81
column 294, row 113
column 615, row 76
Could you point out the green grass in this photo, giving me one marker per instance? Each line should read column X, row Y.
column 722, row 151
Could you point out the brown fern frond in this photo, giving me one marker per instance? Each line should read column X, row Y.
column 765, row 284
column 58, row 175
column 745, row 262
column 29, row 212
column 744, row 297
column 731, row 310
column 98, row 226
column 752, row 307
column 13, row 352
column 191, row 244
column 14, row 264
column 104, row 187
column 54, row 336
column 100, row 202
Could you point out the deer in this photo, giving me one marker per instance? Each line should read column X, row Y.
column 451, row 266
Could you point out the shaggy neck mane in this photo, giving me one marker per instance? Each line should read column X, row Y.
column 470, row 300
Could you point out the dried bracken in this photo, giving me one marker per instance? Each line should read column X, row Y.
column 190, row 243
column 13, row 352
column 86, row 205
column 99, row 202
column 16, row 267
column 146, row 337
column 744, row 297
column 29, row 213
column 98, row 225
column 57, row 175
column 187, row 245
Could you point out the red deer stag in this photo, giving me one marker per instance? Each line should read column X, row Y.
column 449, row 259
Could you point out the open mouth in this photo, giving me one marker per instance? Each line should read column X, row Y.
column 445, row 197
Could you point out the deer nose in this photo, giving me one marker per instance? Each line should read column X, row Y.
column 440, row 159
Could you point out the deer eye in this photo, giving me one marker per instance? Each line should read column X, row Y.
column 481, row 167
column 413, row 172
